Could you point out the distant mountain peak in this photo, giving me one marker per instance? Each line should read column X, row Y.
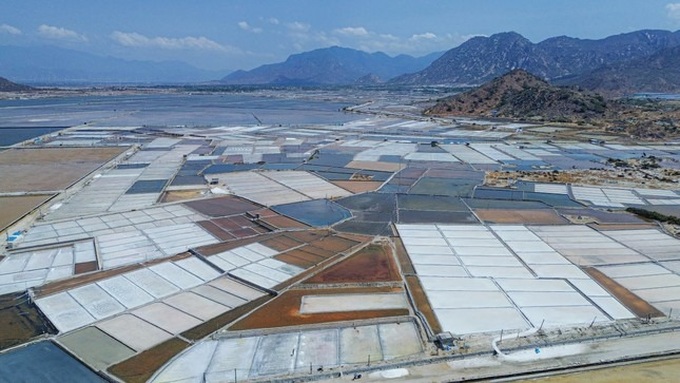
column 330, row 66
column 482, row 58
column 54, row 65
column 659, row 72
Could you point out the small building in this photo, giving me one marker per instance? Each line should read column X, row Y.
column 445, row 340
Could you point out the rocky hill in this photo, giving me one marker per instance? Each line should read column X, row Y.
column 8, row 86
column 330, row 66
column 659, row 72
column 481, row 59
column 519, row 94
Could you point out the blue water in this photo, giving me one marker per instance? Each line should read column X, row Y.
column 316, row 213
column 662, row 96
column 169, row 110
column 43, row 362
column 11, row 136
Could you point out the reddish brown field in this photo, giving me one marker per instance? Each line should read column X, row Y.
column 523, row 216
column 358, row 186
column 320, row 247
column 139, row 368
column 284, row 310
column 180, row 195
column 637, row 305
column 50, row 169
column 85, row 267
column 402, row 256
column 300, row 258
column 373, row 263
column 281, row 243
column 422, row 303
column 281, row 222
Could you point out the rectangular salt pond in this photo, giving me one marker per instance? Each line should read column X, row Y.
column 351, row 302
column 134, row 332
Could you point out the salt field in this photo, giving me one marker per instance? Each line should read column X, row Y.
column 481, row 279
column 229, row 359
column 229, row 247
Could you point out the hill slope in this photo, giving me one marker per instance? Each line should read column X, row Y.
column 483, row 58
column 659, row 72
column 8, row 86
column 519, row 94
column 330, row 66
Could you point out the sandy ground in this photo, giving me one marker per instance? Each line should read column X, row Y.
column 13, row 208
column 50, row 169
column 358, row 186
column 521, row 216
column 662, row 371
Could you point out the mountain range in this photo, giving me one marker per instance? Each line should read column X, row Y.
column 659, row 72
column 481, row 59
column 331, row 66
column 9, row 86
column 640, row 61
column 54, row 65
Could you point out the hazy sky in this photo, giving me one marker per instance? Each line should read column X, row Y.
column 233, row 34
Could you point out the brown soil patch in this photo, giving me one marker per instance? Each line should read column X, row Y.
column 50, row 168
column 358, row 186
column 284, row 310
column 282, row 222
column 402, row 256
column 139, row 368
column 215, row 230
column 334, row 244
column 13, row 208
column 85, row 267
column 20, row 321
column 300, row 258
column 309, row 235
column 229, row 228
column 423, row 305
column 637, row 305
column 281, row 243
column 524, row 216
column 373, row 263
column 320, row 247
column 180, row 195
column 361, row 238
column 376, row 165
